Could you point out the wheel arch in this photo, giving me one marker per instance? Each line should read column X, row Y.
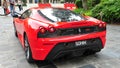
column 25, row 34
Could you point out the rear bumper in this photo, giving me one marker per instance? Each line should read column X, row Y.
column 51, row 48
column 69, row 48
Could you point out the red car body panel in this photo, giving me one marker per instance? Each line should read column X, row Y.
column 49, row 43
column 41, row 47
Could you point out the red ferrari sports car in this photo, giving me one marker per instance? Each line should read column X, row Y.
column 50, row 33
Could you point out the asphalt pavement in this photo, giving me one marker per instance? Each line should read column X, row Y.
column 12, row 54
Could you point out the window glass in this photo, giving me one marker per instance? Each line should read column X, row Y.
column 58, row 14
column 26, row 14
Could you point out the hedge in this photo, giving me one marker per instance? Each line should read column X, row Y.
column 109, row 10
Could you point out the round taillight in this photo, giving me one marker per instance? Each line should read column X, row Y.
column 104, row 25
column 51, row 29
column 100, row 25
column 42, row 30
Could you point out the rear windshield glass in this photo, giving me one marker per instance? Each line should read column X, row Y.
column 60, row 15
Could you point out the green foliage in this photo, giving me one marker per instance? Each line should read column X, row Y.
column 104, row 1
column 24, row 2
column 78, row 3
column 92, row 3
column 82, row 11
column 109, row 10
column 89, row 4
column 95, row 2
column 79, row 10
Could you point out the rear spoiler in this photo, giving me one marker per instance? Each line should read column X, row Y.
column 69, row 6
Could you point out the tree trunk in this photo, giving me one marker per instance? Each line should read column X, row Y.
column 84, row 3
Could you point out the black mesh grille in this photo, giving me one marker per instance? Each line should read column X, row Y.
column 74, row 31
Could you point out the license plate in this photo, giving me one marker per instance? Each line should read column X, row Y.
column 81, row 43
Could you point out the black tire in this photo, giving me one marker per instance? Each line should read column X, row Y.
column 28, row 52
column 15, row 32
